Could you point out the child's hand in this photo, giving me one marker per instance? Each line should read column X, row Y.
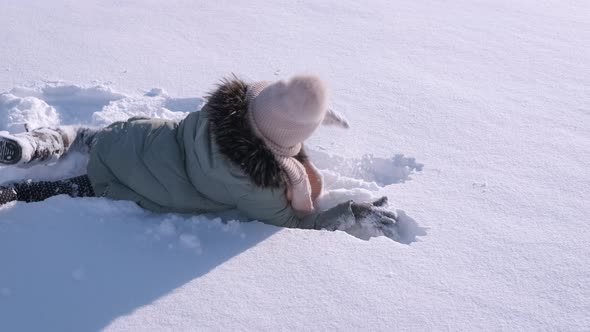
column 375, row 216
column 367, row 220
column 364, row 210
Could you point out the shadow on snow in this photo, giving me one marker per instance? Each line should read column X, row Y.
column 102, row 259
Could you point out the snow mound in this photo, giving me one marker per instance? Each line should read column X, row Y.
column 16, row 112
column 52, row 103
column 57, row 103
column 382, row 171
column 156, row 104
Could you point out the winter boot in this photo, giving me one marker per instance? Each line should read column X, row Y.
column 39, row 146
column 10, row 151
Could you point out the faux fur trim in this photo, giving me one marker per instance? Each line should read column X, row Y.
column 227, row 108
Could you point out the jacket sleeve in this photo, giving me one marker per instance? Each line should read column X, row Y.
column 271, row 207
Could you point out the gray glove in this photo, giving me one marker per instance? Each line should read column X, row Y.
column 360, row 219
column 365, row 210
column 373, row 215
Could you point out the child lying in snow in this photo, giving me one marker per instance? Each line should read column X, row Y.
column 242, row 151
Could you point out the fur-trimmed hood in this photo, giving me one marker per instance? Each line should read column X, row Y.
column 227, row 109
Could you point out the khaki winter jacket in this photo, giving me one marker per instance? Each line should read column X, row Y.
column 211, row 161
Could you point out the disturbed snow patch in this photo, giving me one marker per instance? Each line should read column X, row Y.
column 361, row 180
column 156, row 103
column 382, row 171
column 56, row 103
column 16, row 112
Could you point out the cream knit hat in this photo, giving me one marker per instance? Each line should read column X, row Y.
column 284, row 114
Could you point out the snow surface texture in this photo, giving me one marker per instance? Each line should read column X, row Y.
column 492, row 97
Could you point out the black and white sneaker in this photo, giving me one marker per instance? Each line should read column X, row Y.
column 10, row 151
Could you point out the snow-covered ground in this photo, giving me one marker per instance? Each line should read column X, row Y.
column 472, row 116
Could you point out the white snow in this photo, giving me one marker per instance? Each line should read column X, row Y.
column 79, row 274
column 472, row 116
column 5, row 291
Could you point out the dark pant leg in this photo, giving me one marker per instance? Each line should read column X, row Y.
column 29, row 191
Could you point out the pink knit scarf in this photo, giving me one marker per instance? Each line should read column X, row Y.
column 299, row 187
